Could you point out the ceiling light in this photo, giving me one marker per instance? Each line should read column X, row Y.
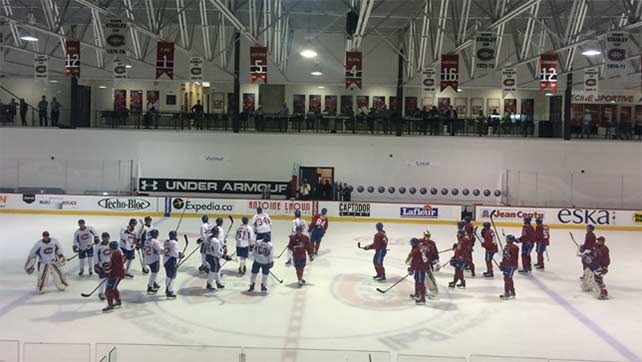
column 548, row 94
column 459, row 89
column 53, row 81
column 321, row 87
column 316, row 70
column 308, row 53
column 591, row 52
column 206, row 84
column 28, row 38
column 102, row 86
column 128, row 66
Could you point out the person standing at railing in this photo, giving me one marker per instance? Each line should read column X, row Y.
column 23, row 111
column 586, row 124
column 55, row 112
column 11, row 111
column 43, row 106
column 197, row 113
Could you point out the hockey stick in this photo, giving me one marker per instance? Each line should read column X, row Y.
column 392, row 286
column 364, row 248
column 445, row 250
column 231, row 258
column 547, row 258
column 573, row 239
column 283, row 251
column 180, row 220
column 186, row 243
column 87, row 295
column 140, row 253
column 276, row 278
column 492, row 221
column 187, row 257
column 73, row 257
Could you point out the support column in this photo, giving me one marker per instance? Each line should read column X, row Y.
column 236, row 121
column 400, row 101
column 75, row 106
column 566, row 127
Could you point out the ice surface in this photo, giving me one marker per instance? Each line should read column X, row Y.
column 339, row 308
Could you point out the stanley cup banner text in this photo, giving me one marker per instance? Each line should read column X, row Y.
column 116, row 36
column 72, row 58
column 195, row 69
column 165, row 59
column 258, row 64
column 591, row 77
column 354, row 73
column 616, row 53
column 429, row 83
column 509, row 80
column 485, row 52
column 449, row 71
column 41, row 67
column 548, row 72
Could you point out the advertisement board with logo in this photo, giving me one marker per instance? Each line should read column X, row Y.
column 211, row 186
column 370, row 211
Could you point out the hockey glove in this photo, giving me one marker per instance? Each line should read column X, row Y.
column 410, row 271
column 271, row 265
column 198, row 241
column 311, row 258
column 62, row 260
column 75, row 248
column 181, row 255
column 367, row 247
column 30, row 270
column 98, row 269
column 436, row 265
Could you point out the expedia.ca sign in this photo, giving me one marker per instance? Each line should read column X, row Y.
column 125, row 204
column 200, row 205
column 211, row 186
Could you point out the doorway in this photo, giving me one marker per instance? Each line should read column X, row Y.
column 321, row 181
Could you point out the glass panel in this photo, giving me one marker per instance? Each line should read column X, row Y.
column 47, row 352
column 474, row 358
column 311, row 355
column 417, row 358
column 164, row 353
column 9, row 351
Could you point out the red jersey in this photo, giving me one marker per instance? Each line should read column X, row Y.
column 117, row 265
column 528, row 234
column 469, row 229
column 319, row 221
column 542, row 234
column 299, row 244
column 489, row 240
column 510, row 256
column 380, row 241
column 419, row 258
column 602, row 257
column 432, row 249
column 589, row 242
column 460, row 251
column 466, row 242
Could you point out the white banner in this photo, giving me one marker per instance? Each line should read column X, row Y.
column 591, row 79
column 195, row 69
column 41, row 67
column 202, row 206
column 616, row 51
column 485, row 52
column 120, row 70
column 399, row 211
column 115, row 36
column 429, row 83
column 509, row 80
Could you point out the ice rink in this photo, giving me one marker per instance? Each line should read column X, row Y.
column 338, row 309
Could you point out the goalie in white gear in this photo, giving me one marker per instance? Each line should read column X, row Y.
column 205, row 231
column 84, row 239
column 297, row 222
column 214, row 250
column 102, row 263
column 263, row 260
column 127, row 243
column 47, row 257
column 244, row 238
column 151, row 254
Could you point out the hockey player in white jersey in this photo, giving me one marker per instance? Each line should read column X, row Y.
column 47, row 257
column 263, row 260
column 262, row 224
column 127, row 243
column 298, row 221
column 206, row 229
column 170, row 260
column 84, row 239
column 151, row 254
column 244, row 238
column 146, row 228
column 214, row 250
column 102, row 263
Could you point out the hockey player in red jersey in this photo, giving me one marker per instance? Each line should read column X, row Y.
column 596, row 263
column 458, row 261
column 380, row 245
column 418, row 260
column 527, row 239
column 433, row 264
column 465, row 239
column 116, row 274
column 317, row 229
column 542, row 236
column 299, row 245
column 589, row 242
column 508, row 265
column 489, row 244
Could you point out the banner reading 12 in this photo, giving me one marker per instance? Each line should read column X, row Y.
column 354, row 72
column 72, row 58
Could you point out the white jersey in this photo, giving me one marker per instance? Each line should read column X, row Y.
column 206, row 229
column 299, row 222
column 170, row 250
column 46, row 253
column 151, row 251
column 263, row 252
column 244, row 236
column 221, row 234
column 102, row 255
column 262, row 223
column 84, row 239
column 144, row 235
column 214, row 247
column 127, row 238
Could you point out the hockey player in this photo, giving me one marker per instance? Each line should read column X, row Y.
column 116, row 274
column 541, row 242
column 458, row 261
column 206, row 229
column 264, row 261
column 467, row 242
column 300, row 244
column 222, row 238
column 214, row 250
column 589, row 242
column 433, row 264
column 417, row 261
column 508, row 265
column 527, row 239
column 298, row 221
column 102, row 263
column 48, row 255
column 596, row 263
column 469, row 228
column 244, row 238
column 171, row 255
column 127, row 241
column 151, row 254
column 489, row 244
column 380, row 245
column 147, row 227
column 262, row 224
column 318, row 227
column 84, row 239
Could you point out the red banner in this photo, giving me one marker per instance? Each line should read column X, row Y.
column 258, row 64
column 72, row 58
column 449, row 71
column 548, row 72
column 165, row 59
column 354, row 73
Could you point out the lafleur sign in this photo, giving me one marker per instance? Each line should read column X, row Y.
column 606, row 98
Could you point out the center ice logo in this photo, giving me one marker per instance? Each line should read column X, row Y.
column 426, row 211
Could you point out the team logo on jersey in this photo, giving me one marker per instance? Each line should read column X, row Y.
column 426, row 211
column 28, row 198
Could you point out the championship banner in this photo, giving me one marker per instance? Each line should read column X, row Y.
column 195, row 69
column 258, row 64
column 548, row 72
column 354, row 70
column 72, row 58
column 115, row 36
column 120, row 70
column 485, row 52
column 449, row 71
column 509, row 80
column 41, row 67
column 165, row 59
column 429, row 82
column 616, row 52
column 591, row 79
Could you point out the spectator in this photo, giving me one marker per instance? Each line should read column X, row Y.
column 347, row 192
column 43, row 106
column 11, row 111
column 265, row 193
column 627, row 129
column 586, row 124
column 326, row 191
column 259, row 115
column 148, row 119
column 55, row 112
column 23, row 111
column 197, row 114
column 482, row 127
column 452, row 120
column 304, row 190
column 285, row 111
column 435, row 122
